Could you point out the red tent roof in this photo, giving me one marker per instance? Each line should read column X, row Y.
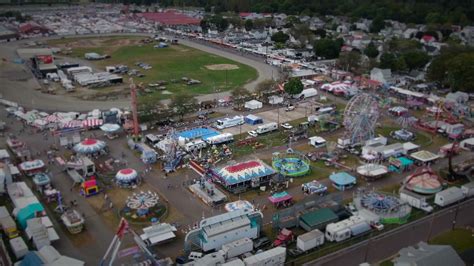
column 171, row 18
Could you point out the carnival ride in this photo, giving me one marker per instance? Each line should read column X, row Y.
column 291, row 163
column 423, row 181
column 435, row 116
column 172, row 155
column 112, row 252
column 388, row 207
column 142, row 202
column 360, row 118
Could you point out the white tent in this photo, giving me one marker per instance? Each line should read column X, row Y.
column 253, row 105
column 275, row 99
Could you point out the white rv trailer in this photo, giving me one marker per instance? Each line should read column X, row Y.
column 229, row 122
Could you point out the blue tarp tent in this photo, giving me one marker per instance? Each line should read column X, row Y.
column 28, row 212
column 253, row 120
column 31, row 259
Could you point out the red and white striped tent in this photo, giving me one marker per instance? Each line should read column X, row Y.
column 73, row 124
column 92, row 123
column 52, row 118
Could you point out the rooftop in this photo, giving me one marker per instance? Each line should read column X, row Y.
column 317, row 217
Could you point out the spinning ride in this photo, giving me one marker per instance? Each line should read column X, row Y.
column 291, row 163
column 388, row 207
column 142, row 202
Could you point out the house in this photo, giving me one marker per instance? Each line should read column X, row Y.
column 425, row 254
column 468, row 34
column 427, row 39
column 409, row 33
column 381, row 75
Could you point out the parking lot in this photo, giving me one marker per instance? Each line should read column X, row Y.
column 279, row 116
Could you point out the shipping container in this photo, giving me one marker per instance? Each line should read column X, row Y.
column 310, row 240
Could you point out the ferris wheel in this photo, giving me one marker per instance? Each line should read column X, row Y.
column 360, row 117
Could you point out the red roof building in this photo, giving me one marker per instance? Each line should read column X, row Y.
column 171, row 18
column 428, row 38
column 33, row 28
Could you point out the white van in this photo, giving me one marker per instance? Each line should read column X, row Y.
column 266, row 128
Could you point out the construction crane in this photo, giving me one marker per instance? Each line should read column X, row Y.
column 133, row 94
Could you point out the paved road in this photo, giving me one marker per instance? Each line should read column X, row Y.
column 388, row 244
column 23, row 90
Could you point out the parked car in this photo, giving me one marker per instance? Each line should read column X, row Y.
column 377, row 225
column 253, row 133
column 290, row 108
column 286, row 126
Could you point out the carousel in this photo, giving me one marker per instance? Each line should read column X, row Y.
column 126, row 178
column 142, row 202
column 110, row 130
column 89, row 146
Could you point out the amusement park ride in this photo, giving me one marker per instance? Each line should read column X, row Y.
column 133, row 94
column 360, row 118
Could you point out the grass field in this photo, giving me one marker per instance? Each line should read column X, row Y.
column 173, row 62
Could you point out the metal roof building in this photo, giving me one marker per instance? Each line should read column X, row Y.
column 317, row 219
column 213, row 232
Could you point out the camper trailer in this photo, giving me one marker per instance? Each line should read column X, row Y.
column 267, row 128
column 220, row 139
column 306, row 94
column 229, row 122
column 355, row 225
column 195, row 145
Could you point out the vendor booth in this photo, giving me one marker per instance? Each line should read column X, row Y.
column 253, row 120
column 314, row 187
column 253, row 105
column 281, row 199
column 342, row 180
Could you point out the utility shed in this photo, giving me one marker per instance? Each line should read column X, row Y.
column 317, row 219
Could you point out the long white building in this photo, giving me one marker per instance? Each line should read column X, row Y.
column 213, row 232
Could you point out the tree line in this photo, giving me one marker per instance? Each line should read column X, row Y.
column 458, row 12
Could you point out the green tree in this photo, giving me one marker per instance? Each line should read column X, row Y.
column 265, row 86
column 377, row 24
column 183, row 104
column 461, row 72
column 400, row 64
column 294, row 86
column 327, row 48
column 248, row 25
column 416, row 59
column 452, row 68
column 350, row 61
column 280, row 37
column 371, row 50
column 239, row 96
column 387, row 60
